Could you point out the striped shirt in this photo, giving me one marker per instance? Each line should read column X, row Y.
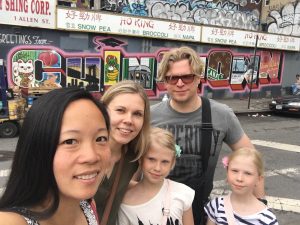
column 216, row 213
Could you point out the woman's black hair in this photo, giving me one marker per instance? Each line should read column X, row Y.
column 32, row 178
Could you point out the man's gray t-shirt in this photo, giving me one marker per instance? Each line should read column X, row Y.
column 186, row 128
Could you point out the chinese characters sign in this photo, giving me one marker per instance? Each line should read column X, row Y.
column 224, row 36
column 115, row 24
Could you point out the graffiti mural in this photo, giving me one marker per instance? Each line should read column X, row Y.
column 281, row 17
column 285, row 20
column 51, row 67
column 111, row 67
column 101, row 42
column 242, row 14
column 25, row 63
column 141, row 71
column 244, row 72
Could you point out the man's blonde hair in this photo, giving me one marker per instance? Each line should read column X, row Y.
column 178, row 54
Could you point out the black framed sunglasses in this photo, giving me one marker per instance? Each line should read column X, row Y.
column 185, row 78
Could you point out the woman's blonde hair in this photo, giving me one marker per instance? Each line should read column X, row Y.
column 140, row 143
column 249, row 152
column 178, row 54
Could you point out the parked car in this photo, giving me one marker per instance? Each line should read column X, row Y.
column 287, row 104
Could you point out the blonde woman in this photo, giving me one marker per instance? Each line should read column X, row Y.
column 128, row 107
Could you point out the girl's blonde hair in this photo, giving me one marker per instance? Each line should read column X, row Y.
column 249, row 152
column 162, row 137
column 178, row 54
column 141, row 142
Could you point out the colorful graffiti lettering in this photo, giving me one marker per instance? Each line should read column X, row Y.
column 36, row 66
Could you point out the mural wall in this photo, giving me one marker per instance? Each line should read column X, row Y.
column 281, row 17
column 50, row 67
column 242, row 14
column 51, row 59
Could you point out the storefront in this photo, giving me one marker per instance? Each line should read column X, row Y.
column 94, row 50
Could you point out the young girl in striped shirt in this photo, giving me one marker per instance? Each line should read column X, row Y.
column 244, row 171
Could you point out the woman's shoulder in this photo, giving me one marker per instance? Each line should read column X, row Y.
column 11, row 218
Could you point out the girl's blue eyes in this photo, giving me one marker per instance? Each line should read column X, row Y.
column 153, row 159
column 236, row 171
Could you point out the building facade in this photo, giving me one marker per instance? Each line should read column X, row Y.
column 244, row 44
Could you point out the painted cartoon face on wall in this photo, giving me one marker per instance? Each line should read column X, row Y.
column 25, row 72
column 112, row 63
column 112, row 67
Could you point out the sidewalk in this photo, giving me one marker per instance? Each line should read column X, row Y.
column 240, row 106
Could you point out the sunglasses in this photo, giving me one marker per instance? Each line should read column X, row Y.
column 186, row 78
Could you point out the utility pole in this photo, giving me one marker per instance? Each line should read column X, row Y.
column 254, row 62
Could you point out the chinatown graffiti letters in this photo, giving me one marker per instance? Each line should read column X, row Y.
column 48, row 66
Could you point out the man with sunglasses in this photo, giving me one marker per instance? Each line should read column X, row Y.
column 181, row 70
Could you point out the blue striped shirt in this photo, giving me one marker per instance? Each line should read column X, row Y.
column 216, row 213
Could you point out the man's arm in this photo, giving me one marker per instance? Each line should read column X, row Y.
column 244, row 141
